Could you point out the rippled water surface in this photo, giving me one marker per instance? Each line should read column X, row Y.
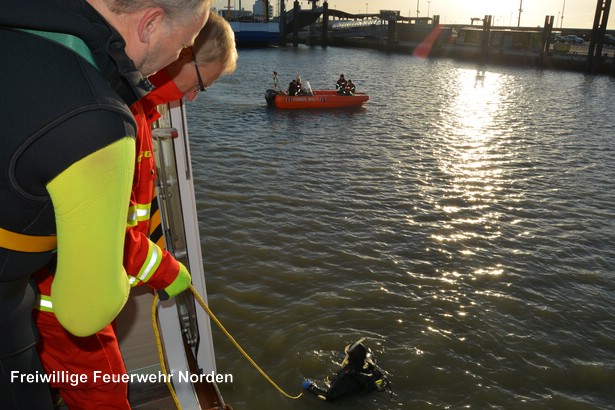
column 462, row 222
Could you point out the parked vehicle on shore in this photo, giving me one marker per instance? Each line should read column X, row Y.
column 571, row 38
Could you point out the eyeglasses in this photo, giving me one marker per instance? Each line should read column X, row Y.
column 198, row 74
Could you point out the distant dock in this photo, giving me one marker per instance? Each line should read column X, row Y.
column 483, row 43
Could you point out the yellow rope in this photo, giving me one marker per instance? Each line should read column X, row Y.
column 217, row 322
column 160, row 352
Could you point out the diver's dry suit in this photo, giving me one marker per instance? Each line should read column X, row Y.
column 358, row 374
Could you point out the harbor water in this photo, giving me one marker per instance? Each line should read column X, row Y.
column 462, row 222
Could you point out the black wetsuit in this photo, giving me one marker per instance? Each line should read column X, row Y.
column 56, row 108
column 348, row 380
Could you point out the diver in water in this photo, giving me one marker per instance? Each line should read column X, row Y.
column 358, row 374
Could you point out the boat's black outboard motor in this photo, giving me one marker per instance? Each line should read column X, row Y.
column 270, row 96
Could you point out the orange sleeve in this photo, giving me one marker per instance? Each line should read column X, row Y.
column 147, row 262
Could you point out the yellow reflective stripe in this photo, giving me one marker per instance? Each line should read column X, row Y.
column 138, row 213
column 133, row 281
column 45, row 304
column 27, row 243
column 131, row 220
column 154, row 257
column 143, row 212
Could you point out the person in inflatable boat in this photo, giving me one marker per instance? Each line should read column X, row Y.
column 358, row 374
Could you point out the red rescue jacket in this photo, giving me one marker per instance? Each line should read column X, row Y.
column 143, row 259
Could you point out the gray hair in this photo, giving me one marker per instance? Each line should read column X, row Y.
column 173, row 8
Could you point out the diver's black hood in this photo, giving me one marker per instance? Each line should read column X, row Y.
column 78, row 18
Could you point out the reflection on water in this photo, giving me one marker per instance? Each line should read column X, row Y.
column 462, row 222
column 473, row 159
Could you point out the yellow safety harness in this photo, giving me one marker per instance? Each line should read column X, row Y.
column 27, row 243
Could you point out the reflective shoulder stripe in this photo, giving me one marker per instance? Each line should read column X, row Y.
column 27, row 243
column 151, row 263
column 45, row 304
